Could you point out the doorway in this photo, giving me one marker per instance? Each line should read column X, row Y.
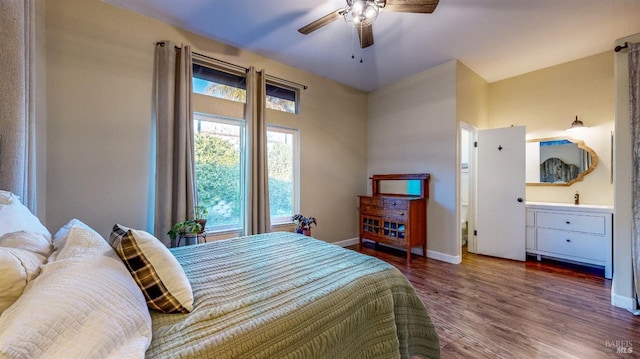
column 466, row 205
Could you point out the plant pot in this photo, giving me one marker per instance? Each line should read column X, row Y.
column 306, row 232
column 189, row 239
column 299, row 230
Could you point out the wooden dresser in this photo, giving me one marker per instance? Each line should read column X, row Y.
column 396, row 212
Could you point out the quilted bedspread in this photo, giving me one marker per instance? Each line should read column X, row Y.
column 284, row 295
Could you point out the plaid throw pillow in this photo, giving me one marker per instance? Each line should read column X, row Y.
column 155, row 270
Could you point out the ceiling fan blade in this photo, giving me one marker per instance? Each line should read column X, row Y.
column 366, row 35
column 327, row 19
column 417, row 6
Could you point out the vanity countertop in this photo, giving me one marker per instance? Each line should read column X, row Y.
column 570, row 206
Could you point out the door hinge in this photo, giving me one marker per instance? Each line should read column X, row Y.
column 475, row 144
column 475, row 232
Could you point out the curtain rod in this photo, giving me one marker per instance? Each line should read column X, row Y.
column 620, row 48
column 243, row 69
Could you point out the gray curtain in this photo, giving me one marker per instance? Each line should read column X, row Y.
column 17, row 98
column 175, row 165
column 257, row 192
column 634, row 109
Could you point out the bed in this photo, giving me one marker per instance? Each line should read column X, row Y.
column 275, row 295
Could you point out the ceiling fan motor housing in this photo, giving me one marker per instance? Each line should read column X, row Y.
column 361, row 12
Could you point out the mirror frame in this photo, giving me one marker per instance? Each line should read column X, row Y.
column 423, row 179
column 581, row 145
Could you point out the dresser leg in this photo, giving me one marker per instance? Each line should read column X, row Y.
column 424, row 249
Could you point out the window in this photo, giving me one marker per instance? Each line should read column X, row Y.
column 219, row 147
column 215, row 83
column 282, row 152
column 281, row 98
column 231, row 86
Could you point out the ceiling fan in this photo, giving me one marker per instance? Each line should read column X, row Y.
column 362, row 13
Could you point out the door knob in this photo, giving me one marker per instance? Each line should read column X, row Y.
column 520, row 199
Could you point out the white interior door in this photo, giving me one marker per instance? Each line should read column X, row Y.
column 500, row 216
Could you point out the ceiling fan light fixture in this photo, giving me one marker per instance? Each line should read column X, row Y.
column 361, row 12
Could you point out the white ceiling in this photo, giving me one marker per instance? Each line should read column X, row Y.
column 497, row 39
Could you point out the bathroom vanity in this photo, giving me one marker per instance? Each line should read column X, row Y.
column 574, row 233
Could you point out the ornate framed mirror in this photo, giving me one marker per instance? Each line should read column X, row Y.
column 558, row 161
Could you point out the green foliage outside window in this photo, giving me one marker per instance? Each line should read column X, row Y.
column 219, row 184
column 280, row 160
column 218, row 179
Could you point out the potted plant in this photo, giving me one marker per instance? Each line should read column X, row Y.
column 303, row 224
column 201, row 214
column 187, row 229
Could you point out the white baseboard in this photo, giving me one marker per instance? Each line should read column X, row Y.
column 443, row 257
column 627, row 303
column 418, row 251
column 347, row 242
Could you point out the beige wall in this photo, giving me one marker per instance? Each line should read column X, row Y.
column 472, row 111
column 99, row 89
column 472, row 97
column 412, row 129
column 547, row 101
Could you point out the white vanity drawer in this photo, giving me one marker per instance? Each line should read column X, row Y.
column 593, row 224
column 572, row 244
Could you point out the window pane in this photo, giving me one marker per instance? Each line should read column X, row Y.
column 281, row 162
column 211, row 82
column 218, row 144
column 281, row 99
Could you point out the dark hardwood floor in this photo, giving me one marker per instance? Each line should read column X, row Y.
column 494, row 308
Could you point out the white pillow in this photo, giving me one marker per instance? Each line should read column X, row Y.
column 76, row 239
column 14, row 216
column 83, row 305
column 6, row 197
column 31, row 241
column 17, row 268
column 156, row 271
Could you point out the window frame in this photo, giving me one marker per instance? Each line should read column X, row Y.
column 228, row 69
column 230, row 110
column 241, row 123
column 272, row 82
